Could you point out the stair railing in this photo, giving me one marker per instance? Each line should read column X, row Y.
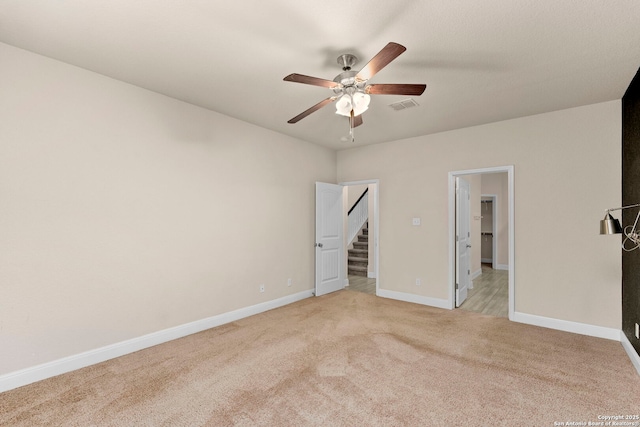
column 358, row 216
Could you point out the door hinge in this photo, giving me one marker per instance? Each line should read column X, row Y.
column 457, row 286
column 468, row 272
column 456, row 238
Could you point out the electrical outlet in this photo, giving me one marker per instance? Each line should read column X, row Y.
column 418, row 282
column 415, row 221
column 289, row 282
column 261, row 288
column 637, row 331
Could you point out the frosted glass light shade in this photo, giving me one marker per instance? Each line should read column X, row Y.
column 343, row 106
column 359, row 102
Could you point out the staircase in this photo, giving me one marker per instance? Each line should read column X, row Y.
column 359, row 255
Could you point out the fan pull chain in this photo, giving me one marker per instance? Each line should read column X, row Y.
column 351, row 123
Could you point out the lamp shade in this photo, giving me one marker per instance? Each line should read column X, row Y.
column 610, row 225
column 343, row 106
column 358, row 102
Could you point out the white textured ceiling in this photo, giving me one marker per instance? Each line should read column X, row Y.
column 482, row 61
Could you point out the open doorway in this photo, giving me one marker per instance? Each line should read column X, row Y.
column 486, row 283
column 361, row 258
column 332, row 233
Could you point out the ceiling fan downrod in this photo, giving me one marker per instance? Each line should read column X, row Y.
column 347, row 61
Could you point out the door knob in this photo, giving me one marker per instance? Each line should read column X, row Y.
column 468, row 246
column 318, row 245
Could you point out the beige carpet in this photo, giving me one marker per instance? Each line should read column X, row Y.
column 345, row 359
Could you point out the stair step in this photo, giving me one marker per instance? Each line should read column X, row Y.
column 363, row 238
column 358, row 262
column 359, row 253
column 357, row 270
column 360, row 245
column 365, row 231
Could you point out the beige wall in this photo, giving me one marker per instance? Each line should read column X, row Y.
column 497, row 184
column 563, row 269
column 125, row 212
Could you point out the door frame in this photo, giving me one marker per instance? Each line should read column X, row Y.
column 452, row 233
column 376, row 223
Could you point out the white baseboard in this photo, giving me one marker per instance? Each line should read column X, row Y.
column 486, row 260
column 371, row 274
column 417, row 299
column 567, row 326
column 631, row 352
column 502, row 266
column 50, row 369
column 476, row 273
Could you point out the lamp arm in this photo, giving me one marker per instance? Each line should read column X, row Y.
column 627, row 207
column 620, row 208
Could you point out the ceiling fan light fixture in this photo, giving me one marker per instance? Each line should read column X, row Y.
column 361, row 103
column 343, row 105
column 351, row 89
column 358, row 102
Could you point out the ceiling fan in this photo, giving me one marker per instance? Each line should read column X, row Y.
column 351, row 88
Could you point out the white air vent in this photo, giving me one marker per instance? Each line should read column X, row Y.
column 404, row 104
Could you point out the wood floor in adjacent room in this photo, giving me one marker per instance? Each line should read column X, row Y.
column 362, row 284
column 490, row 293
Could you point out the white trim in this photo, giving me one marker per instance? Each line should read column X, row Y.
column 416, row 299
column 631, row 352
column 376, row 225
column 501, row 267
column 50, row 369
column 476, row 274
column 371, row 275
column 568, row 326
column 511, row 226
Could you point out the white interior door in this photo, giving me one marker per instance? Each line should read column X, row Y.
column 463, row 242
column 330, row 271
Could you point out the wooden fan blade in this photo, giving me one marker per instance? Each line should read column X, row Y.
column 396, row 89
column 388, row 53
column 315, row 81
column 316, row 107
